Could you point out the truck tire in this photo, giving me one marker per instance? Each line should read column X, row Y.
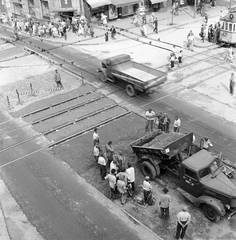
column 102, row 77
column 210, row 213
column 130, row 90
column 148, row 169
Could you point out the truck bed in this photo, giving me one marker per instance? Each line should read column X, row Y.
column 168, row 144
column 139, row 72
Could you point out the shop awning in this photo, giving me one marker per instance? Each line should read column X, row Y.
column 64, row 10
column 98, row 3
column 157, row 1
column 121, row 3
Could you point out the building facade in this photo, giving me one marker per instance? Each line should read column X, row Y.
column 43, row 9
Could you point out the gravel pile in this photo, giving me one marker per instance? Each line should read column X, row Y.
column 164, row 139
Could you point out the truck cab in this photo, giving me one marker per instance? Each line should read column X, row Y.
column 204, row 184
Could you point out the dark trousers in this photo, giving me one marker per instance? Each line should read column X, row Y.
column 103, row 171
column 176, row 129
column 133, row 186
column 59, row 84
column 180, row 231
column 164, row 213
column 146, row 195
column 155, row 29
column 149, row 123
column 231, row 89
column 96, row 141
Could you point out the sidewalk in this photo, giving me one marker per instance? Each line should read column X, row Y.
column 186, row 16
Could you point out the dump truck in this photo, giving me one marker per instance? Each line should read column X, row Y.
column 201, row 174
column 135, row 76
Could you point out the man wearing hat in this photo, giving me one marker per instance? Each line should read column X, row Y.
column 147, row 189
column 164, row 204
column 183, row 219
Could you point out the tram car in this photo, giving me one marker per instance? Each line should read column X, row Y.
column 228, row 28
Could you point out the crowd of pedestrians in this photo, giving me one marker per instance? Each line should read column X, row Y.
column 57, row 28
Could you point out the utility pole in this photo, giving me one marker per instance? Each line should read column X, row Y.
column 195, row 8
column 230, row 4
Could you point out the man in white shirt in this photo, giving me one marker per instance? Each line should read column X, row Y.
column 121, row 186
column 176, row 124
column 183, row 219
column 112, row 182
column 150, row 116
column 114, row 166
column 147, row 189
column 95, row 136
column 131, row 176
column 102, row 164
column 96, row 151
column 206, row 143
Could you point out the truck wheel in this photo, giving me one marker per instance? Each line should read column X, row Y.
column 130, row 90
column 148, row 169
column 210, row 213
column 102, row 77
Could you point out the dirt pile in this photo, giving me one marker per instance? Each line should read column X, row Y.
column 164, row 139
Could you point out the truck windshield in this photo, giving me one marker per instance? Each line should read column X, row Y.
column 205, row 172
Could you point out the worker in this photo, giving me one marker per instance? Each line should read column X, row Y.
column 150, row 116
column 206, row 143
column 164, row 204
column 147, row 189
column 95, row 137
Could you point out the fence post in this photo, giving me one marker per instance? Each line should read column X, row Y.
column 18, row 97
column 8, row 103
column 31, row 90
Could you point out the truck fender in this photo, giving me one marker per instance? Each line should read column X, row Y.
column 155, row 161
column 213, row 202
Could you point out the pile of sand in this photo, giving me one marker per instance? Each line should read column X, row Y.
column 164, row 139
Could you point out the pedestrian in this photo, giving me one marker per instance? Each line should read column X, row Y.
column 109, row 152
column 221, row 15
column 180, row 58
column 165, row 120
column 95, row 137
column 202, row 33
column 150, row 116
column 104, row 19
column 123, row 175
column 232, row 84
column 131, row 175
column 172, row 61
column 120, row 160
column 176, row 124
column 106, row 37
column 164, row 204
column 112, row 182
column 113, row 32
column 209, row 33
column 64, row 32
column 206, row 143
column 114, row 166
column 102, row 165
column 121, row 186
column 183, row 219
column 190, row 40
column 57, row 78
column 96, row 151
column 91, row 30
column 147, row 189
column 206, row 18
column 155, row 23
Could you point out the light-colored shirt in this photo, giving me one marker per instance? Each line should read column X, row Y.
column 121, row 186
column 57, row 77
column 150, row 115
column 113, row 166
column 147, row 186
column 112, row 180
column 177, row 123
column 123, row 176
column 131, row 174
column 165, row 201
column 95, row 151
column 95, row 136
column 207, row 144
column 102, row 161
column 183, row 216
